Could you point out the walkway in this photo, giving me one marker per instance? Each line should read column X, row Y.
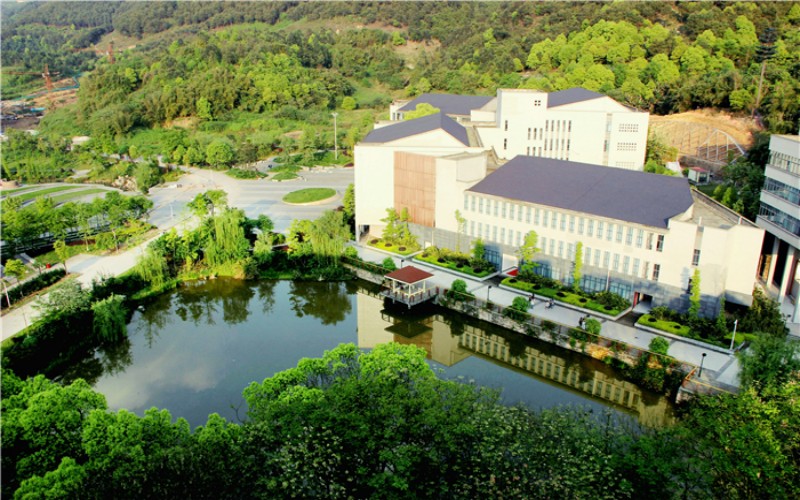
column 717, row 367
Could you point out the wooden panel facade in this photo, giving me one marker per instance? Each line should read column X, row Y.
column 415, row 186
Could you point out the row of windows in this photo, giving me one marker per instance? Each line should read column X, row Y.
column 626, row 146
column 628, row 127
column 780, row 218
column 558, row 125
column 785, row 162
column 788, row 193
column 592, row 228
column 625, row 164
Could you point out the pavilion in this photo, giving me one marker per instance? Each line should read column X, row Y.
column 408, row 286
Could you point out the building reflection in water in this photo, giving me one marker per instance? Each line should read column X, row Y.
column 449, row 339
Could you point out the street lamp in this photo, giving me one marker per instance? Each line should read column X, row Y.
column 402, row 261
column 335, row 139
column 700, row 373
column 733, row 335
column 487, row 293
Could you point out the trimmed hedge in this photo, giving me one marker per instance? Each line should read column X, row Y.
column 664, row 325
column 32, row 286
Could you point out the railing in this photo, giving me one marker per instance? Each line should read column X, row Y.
column 411, row 298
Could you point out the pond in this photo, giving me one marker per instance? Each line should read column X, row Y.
column 193, row 350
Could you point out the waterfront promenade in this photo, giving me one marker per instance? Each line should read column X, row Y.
column 718, row 367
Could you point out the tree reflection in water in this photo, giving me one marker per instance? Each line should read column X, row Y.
column 327, row 301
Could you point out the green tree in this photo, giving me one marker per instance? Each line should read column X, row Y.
column 110, row 318
column 769, row 361
column 388, row 264
column 62, row 252
column 328, row 236
column 458, row 290
column 422, row 109
column 204, row 109
column 349, row 204
column 764, row 315
column 461, row 224
column 219, row 154
column 577, row 267
column 68, row 297
column 392, row 230
column 593, row 326
column 152, row 266
column 15, row 268
column 207, row 203
column 694, row 296
column 226, row 242
column 348, row 103
column 659, row 345
column 478, row 250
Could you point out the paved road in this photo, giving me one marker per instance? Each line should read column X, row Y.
column 256, row 197
column 716, row 366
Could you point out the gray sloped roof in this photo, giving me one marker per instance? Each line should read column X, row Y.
column 569, row 96
column 417, row 126
column 450, row 104
column 626, row 195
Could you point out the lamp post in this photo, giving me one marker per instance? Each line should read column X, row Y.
column 700, row 373
column 402, row 261
column 335, row 138
column 733, row 336
column 487, row 293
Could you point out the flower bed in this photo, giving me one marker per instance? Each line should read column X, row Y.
column 562, row 296
column 391, row 247
column 449, row 264
column 664, row 325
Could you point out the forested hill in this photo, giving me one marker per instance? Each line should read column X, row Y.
column 662, row 56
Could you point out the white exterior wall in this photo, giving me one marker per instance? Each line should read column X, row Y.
column 453, row 177
column 374, row 170
column 592, row 129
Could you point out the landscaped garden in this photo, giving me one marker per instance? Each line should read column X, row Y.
column 309, row 195
column 602, row 302
column 714, row 332
column 396, row 236
column 472, row 265
column 389, row 246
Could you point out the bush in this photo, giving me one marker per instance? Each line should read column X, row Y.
column 659, row 345
column 458, row 291
column 238, row 173
column 351, row 253
column 612, row 300
column 388, row 264
column 33, row 285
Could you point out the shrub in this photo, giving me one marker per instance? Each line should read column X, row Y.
column 388, row 264
column 611, row 299
column 659, row 345
column 33, row 285
column 351, row 253
column 458, row 291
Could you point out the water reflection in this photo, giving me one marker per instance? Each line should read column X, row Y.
column 194, row 350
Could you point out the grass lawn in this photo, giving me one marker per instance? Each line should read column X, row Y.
column 284, row 176
column 77, row 194
column 41, row 192
column 389, row 247
column 562, row 296
column 51, row 258
column 309, row 195
column 6, row 192
column 664, row 326
column 453, row 266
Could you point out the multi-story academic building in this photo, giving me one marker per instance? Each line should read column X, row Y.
column 643, row 235
column 574, row 124
column 779, row 215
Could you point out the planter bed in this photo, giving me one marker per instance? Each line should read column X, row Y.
column 391, row 247
column 467, row 270
column 664, row 325
column 568, row 297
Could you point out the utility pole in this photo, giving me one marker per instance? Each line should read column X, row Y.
column 335, row 138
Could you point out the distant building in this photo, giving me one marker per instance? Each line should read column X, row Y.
column 643, row 234
column 574, row 124
column 779, row 215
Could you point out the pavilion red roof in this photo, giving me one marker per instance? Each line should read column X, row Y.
column 409, row 275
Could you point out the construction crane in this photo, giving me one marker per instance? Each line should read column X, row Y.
column 48, row 80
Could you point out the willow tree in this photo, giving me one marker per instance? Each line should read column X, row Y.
column 328, row 235
column 578, row 267
column 152, row 267
column 109, row 318
column 226, row 241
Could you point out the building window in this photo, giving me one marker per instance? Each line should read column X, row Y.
column 605, row 146
column 466, row 203
column 635, row 270
column 511, row 210
column 660, row 243
column 649, row 241
column 626, row 262
column 552, row 246
column 544, row 244
column 629, row 236
column 606, row 259
column 571, row 223
column 528, row 215
column 569, row 126
column 656, row 271
column 590, row 228
column 580, row 225
column 480, row 229
column 528, row 151
column 519, row 238
column 563, row 222
column 502, row 235
column 472, row 203
column 560, row 248
column 506, row 126
column 619, row 233
column 597, row 258
column 639, row 238
column 628, row 127
column 505, row 209
column 496, row 205
column 537, row 102
column 616, row 262
column 529, row 133
column 472, row 228
column 505, row 144
column 545, row 217
column 587, row 257
column 600, row 229
column 494, row 233
column 547, row 126
column 480, row 205
column 626, row 146
column 696, row 258
column 610, row 232
column 570, row 251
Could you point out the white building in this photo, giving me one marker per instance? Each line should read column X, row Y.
column 643, row 234
column 574, row 124
column 779, row 215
